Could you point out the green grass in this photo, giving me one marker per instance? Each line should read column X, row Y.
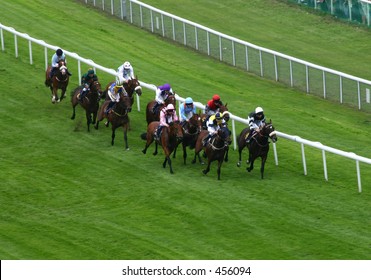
column 69, row 194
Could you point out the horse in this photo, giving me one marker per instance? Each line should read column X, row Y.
column 150, row 116
column 215, row 149
column 59, row 80
column 205, row 117
column 90, row 102
column 169, row 139
column 191, row 130
column 117, row 116
column 258, row 146
column 131, row 87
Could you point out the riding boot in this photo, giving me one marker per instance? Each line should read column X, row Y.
column 205, row 140
column 69, row 73
column 158, row 133
column 248, row 138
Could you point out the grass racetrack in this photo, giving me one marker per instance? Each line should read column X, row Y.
column 69, row 194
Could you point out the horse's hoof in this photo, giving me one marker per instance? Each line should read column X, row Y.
column 127, row 149
column 193, row 161
column 144, row 151
column 204, row 171
column 248, row 169
column 238, row 164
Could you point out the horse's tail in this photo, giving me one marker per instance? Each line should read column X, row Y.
column 143, row 136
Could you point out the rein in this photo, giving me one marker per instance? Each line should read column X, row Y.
column 265, row 137
column 117, row 114
column 218, row 148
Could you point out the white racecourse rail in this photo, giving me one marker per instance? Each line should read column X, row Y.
column 180, row 99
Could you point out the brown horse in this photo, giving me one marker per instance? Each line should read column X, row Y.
column 117, row 116
column 150, row 116
column 169, row 139
column 191, row 130
column 131, row 87
column 258, row 146
column 215, row 149
column 59, row 80
column 90, row 102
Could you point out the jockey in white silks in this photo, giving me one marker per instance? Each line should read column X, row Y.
column 124, row 73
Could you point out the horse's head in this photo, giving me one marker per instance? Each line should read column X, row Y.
column 195, row 124
column 223, row 108
column 225, row 134
column 62, row 67
column 125, row 103
column 170, row 99
column 96, row 87
column 134, row 86
column 176, row 130
column 268, row 130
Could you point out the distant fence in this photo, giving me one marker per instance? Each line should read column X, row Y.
column 311, row 78
column 350, row 10
column 180, row 99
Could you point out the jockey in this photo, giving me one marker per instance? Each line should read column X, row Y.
column 213, row 105
column 213, row 124
column 187, row 109
column 124, row 73
column 86, row 80
column 58, row 56
column 114, row 94
column 162, row 92
column 167, row 115
column 256, row 119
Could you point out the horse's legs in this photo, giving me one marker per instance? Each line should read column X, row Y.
column 100, row 117
column 88, row 120
column 156, row 148
column 198, row 149
column 63, row 94
column 126, row 137
column 184, row 153
column 174, row 153
column 226, row 155
column 220, row 161
column 148, row 143
column 73, row 111
column 168, row 159
column 113, row 135
column 205, row 171
column 264, row 159
column 251, row 161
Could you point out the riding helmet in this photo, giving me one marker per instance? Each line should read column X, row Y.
column 170, row 107
column 218, row 116
column 90, row 72
column 165, row 87
column 59, row 52
column 127, row 65
column 216, row 97
column 189, row 100
column 259, row 110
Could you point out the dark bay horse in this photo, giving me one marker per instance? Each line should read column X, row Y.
column 59, row 80
column 169, row 139
column 215, row 150
column 90, row 102
column 258, row 146
column 117, row 116
column 150, row 116
column 191, row 130
column 131, row 87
